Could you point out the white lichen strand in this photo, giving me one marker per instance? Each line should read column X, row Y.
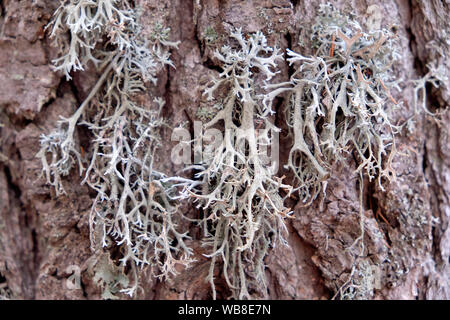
column 339, row 108
column 339, row 103
column 437, row 77
column 133, row 208
column 238, row 192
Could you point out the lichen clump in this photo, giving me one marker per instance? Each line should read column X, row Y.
column 133, row 207
column 339, row 102
column 237, row 190
column 339, row 110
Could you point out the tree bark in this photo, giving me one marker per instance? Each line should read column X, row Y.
column 407, row 226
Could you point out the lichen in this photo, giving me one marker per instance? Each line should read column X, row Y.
column 133, row 208
column 339, row 107
column 210, row 35
column 339, row 102
column 240, row 194
column 436, row 76
column 363, row 280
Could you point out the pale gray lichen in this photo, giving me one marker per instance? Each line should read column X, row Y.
column 133, row 208
column 210, row 35
column 238, row 192
column 436, row 76
column 5, row 292
column 106, row 274
column 339, row 102
column 339, row 105
column 64, row 156
column 363, row 280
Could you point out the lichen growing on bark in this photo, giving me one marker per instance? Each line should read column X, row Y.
column 237, row 190
column 133, row 208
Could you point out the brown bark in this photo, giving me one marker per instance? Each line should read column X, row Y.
column 42, row 236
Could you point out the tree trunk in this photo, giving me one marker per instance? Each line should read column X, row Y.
column 44, row 238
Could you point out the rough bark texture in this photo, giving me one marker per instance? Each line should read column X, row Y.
column 42, row 236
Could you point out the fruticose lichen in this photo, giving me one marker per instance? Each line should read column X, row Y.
column 5, row 292
column 436, row 76
column 236, row 189
column 339, row 102
column 363, row 280
column 339, row 106
column 133, row 208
